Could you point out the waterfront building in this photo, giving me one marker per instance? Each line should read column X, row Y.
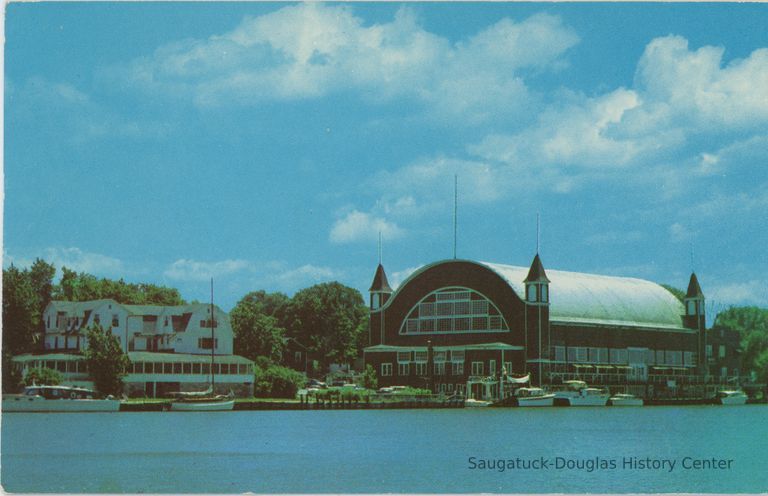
column 458, row 322
column 169, row 346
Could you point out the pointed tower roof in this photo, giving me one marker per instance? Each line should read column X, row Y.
column 694, row 290
column 380, row 282
column 537, row 273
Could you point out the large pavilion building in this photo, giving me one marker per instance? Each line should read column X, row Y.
column 456, row 322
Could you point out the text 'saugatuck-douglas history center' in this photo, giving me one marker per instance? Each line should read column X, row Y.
column 459, row 322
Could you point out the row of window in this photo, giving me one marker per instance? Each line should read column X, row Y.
column 453, row 310
column 188, row 368
column 622, row 356
column 419, row 369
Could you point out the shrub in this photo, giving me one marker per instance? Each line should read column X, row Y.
column 276, row 381
column 43, row 376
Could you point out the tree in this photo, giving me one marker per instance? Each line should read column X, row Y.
column 256, row 333
column 370, row 381
column 275, row 381
column 679, row 293
column 20, row 312
column 46, row 376
column 752, row 325
column 107, row 364
column 328, row 319
column 84, row 287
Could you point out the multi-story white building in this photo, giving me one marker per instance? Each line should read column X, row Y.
column 169, row 346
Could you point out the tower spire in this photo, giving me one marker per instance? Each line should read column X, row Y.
column 455, row 210
column 538, row 229
column 379, row 247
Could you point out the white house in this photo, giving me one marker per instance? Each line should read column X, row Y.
column 169, row 346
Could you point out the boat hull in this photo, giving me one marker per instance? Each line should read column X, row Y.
column 476, row 403
column 733, row 400
column 202, row 406
column 41, row 405
column 626, row 402
column 547, row 400
column 576, row 399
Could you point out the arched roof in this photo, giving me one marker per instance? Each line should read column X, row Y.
column 589, row 298
column 579, row 298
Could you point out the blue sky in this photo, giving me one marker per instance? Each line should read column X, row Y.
column 267, row 144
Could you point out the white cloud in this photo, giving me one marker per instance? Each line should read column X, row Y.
column 754, row 292
column 193, row 270
column 614, row 237
column 678, row 232
column 303, row 276
column 314, row 49
column 361, row 226
column 72, row 258
column 398, row 277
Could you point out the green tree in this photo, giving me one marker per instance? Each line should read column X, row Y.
column 107, row 364
column 255, row 332
column 679, row 293
column 752, row 325
column 275, row 381
column 369, row 378
column 328, row 319
column 84, row 287
column 46, row 376
column 20, row 312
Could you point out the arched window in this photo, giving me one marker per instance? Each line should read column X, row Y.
column 454, row 310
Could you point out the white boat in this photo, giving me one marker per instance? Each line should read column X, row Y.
column 473, row 403
column 736, row 397
column 58, row 399
column 219, row 403
column 534, row 397
column 205, row 401
column 578, row 394
column 622, row 399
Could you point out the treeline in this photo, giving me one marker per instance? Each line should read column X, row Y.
column 327, row 322
column 752, row 325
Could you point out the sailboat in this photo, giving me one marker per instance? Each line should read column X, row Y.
column 205, row 401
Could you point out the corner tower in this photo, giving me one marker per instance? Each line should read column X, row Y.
column 380, row 290
column 695, row 318
column 537, row 321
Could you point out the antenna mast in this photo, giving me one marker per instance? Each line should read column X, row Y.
column 455, row 207
column 379, row 247
column 538, row 229
column 213, row 342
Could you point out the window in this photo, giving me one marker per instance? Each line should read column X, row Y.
column 507, row 368
column 544, row 293
column 421, row 368
column 187, row 368
column 403, row 369
column 724, row 372
column 439, row 368
column 709, row 351
column 721, row 351
column 207, row 323
column 581, row 354
column 477, row 368
column 96, row 318
column 453, row 310
column 115, row 320
column 386, row 369
column 165, row 322
column 440, row 356
column 457, row 356
column 531, row 292
column 205, row 343
column 691, row 307
column 492, row 367
column 419, row 356
column 457, row 368
column 689, row 358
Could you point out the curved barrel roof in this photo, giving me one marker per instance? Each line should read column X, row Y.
column 588, row 298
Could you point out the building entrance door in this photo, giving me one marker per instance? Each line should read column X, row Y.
column 638, row 368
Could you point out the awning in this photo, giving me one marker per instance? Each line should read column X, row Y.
column 580, row 366
column 519, row 380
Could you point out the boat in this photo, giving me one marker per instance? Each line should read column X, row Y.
column 622, row 399
column 58, row 399
column 579, row 394
column 533, row 396
column 205, row 401
column 473, row 403
column 734, row 397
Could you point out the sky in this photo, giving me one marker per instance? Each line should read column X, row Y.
column 267, row 145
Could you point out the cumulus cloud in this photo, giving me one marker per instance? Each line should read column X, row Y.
column 72, row 258
column 303, row 276
column 313, row 49
column 193, row 270
column 751, row 292
column 399, row 276
column 361, row 226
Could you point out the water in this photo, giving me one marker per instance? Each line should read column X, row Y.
column 384, row 450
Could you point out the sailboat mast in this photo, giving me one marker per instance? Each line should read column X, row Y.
column 213, row 342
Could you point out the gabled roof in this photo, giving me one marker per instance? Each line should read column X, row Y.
column 537, row 273
column 694, row 290
column 380, row 282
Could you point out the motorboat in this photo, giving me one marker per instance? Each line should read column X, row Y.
column 48, row 399
column 218, row 403
column 735, row 397
column 533, row 397
column 577, row 393
column 622, row 399
column 473, row 403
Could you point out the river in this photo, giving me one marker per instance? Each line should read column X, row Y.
column 465, row 450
